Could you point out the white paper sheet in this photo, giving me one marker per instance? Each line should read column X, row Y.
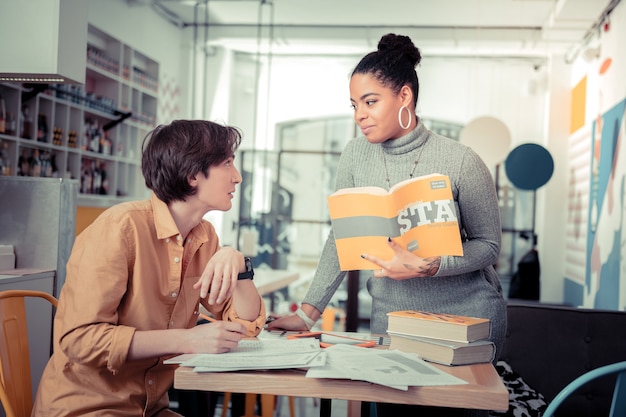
column 391, row 368
column 257, row 354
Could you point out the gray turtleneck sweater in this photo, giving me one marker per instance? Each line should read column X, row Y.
column 466, row 285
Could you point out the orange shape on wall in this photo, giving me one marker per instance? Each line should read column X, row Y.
column 579, row 98
column 605, row 66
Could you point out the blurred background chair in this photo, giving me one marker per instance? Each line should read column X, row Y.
column 15, row 376
column 618, row 405
column 333, row 319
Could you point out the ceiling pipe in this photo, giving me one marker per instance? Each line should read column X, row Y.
column 595, row 29
column 167, row 14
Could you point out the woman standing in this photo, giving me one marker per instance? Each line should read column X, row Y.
column 395, row 145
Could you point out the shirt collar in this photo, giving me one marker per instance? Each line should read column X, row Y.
column 163, row 220
column 166, row 226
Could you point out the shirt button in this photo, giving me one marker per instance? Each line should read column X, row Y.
column 149, row 382
column 174, row 294
column 167, row 240
column 178, row 238
column 176, row 259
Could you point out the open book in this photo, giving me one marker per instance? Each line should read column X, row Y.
column 418, row 214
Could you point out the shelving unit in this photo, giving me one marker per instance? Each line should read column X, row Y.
column 91, row 132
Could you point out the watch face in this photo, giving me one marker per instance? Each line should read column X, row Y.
column 249, row 274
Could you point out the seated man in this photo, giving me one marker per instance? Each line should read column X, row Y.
column 136, row 278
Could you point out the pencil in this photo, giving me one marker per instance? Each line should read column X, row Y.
column 207, row 318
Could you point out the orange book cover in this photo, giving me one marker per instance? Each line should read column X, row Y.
column 418, row 214
column 438, row 325
column 439, row 317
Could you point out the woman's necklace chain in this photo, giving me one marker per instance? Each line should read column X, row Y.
column 419, row 155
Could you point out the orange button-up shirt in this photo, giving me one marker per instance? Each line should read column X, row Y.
column 128, row 271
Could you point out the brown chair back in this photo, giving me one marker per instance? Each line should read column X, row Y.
column 15, row 380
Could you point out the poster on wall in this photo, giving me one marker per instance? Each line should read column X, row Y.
column 595, row 271
column 607, row 211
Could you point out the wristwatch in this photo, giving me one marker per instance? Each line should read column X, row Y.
column 249, row 274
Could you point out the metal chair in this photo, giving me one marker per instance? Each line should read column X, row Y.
column 15, row 380
column 618, row 405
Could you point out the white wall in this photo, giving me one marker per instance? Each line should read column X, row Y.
column 141, row 28
column 552, row 198
column 452, row 89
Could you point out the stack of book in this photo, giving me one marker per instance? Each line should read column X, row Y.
column 442, row 338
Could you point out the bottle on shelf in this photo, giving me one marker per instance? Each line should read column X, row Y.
column 5, row 164
column 26, row 123
column 86, row 137
column 10, row 124
column 54, row 169
column 23, row 166
column 42, row 128
column 46, row 166
column 3, row 116
column 106, row 145
column 85, row 178
column 34, row 169
column 104, row 181
column 96, row 136
column 97, row 178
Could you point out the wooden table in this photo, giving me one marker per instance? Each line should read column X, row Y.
column 484, row 390
column 270, row 280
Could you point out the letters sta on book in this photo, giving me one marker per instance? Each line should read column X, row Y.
column 423, row 213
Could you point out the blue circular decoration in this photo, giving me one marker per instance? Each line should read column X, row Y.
column 529, row 166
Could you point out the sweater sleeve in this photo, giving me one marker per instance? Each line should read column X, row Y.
column 328, row 275
column 480, row 218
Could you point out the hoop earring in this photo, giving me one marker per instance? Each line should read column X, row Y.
column 400, row 117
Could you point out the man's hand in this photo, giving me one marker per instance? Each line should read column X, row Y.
column 215, row 337
column 219, row 278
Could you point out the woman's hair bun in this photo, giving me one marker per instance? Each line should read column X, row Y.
column 401, row 45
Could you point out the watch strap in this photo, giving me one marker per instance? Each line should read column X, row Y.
column 249, row 272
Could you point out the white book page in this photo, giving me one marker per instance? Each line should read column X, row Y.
column 257, row 354
column 391, row 368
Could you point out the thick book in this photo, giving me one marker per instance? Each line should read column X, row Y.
column 419, row 214
column 438, row 326
column 445, row 352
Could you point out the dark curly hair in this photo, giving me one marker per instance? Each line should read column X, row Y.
column 175, row 153
column 393, row 64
